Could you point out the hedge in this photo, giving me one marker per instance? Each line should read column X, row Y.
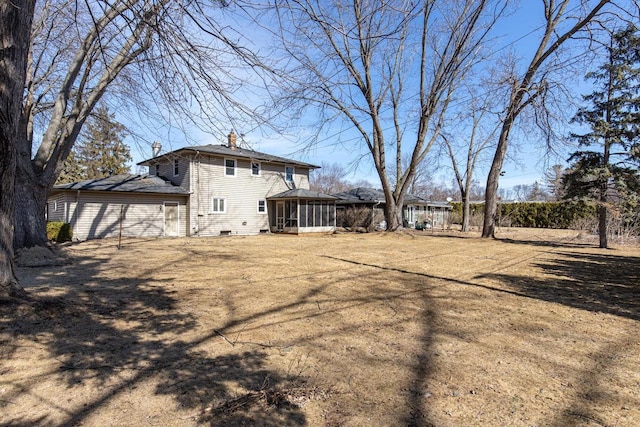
column 59, row 231
column 536, row 214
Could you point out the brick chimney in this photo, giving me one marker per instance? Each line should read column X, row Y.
column 232, row 140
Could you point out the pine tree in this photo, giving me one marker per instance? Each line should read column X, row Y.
column 101, row 151
column 607, row 169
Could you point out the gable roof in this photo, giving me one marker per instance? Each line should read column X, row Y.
column 125, row 183
column 301, row 193
column 362, row 195
column 370, row 195
column 238, row 152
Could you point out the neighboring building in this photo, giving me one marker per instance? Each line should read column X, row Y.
column 417, row 212
column 212, row 190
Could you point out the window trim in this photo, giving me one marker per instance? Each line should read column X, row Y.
column 235, row 166
column 293, row 173
column 263, row 212
column 224, row 205
column 259, row 168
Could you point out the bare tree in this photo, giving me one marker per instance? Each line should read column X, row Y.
column 329, row 179
column 171, row 54
column 15, row 26
column 562, row 22
column 471, row 137
column 421, row 182
column 521, row 192
column 387, row 69
column 553, row 178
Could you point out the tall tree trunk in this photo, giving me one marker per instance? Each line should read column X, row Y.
column 491, row 191
column 15, row 29
column 8, row 281
column 393, row 215
column 602, row 224
column 465, row 210
column 31, row 201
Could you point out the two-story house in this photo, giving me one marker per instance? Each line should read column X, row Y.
column 207, row 190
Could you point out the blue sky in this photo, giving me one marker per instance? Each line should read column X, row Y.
column 524, row 166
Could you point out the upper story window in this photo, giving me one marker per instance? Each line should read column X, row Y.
column 255, row 168
column 176, row 167
column 288, row 173
column 230, row 167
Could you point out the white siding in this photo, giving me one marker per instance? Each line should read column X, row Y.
column 241, row 193
column 97, row 214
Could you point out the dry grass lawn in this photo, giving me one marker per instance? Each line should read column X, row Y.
column 535, row 328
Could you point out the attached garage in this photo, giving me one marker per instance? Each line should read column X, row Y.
column 134, row 205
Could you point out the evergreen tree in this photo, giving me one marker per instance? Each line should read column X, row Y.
column 607, row 169
column 101, row 151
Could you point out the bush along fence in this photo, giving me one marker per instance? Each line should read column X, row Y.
column 565, row 214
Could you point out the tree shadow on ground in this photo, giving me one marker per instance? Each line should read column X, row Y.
column 417, row 413
column 117, row 334
column 603, row 283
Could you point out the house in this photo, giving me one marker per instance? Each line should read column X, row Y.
column 207, row 190
column 417, row 212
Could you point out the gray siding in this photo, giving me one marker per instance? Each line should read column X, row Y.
column 56, row 208
column 97, row 214
column 166, row 170
column 240, row 192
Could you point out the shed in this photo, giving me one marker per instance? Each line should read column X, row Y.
column 302, row 211
column 139, row 205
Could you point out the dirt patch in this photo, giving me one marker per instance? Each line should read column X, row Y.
column 538, row 327
column 41, row 256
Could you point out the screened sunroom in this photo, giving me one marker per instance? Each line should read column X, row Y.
column 300, row 211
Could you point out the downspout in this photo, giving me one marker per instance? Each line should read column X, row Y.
column 76, row 213
column 197, row 192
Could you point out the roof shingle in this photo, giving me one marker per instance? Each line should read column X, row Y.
column 126, row 183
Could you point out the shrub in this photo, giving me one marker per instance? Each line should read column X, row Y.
column 354, row 218
column 59, row 231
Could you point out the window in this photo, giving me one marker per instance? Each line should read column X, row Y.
column 55, row 206
column 176, row 167
column 262, row 206
column 288, row 173
column 218, row 205
column 230, row 167
column 255, row 168
column 157, row 172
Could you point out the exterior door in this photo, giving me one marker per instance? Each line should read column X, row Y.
column 279, row 216
column 171, row 219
